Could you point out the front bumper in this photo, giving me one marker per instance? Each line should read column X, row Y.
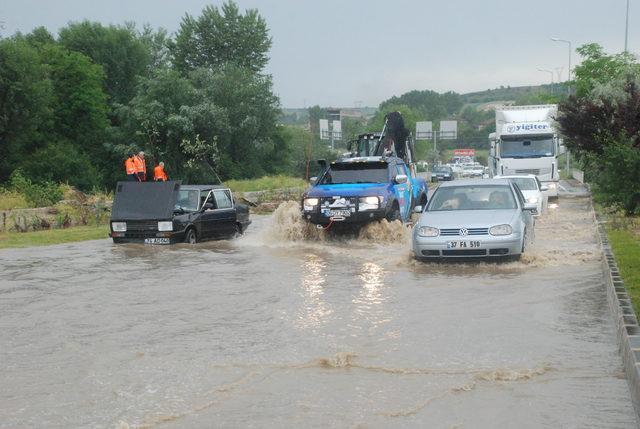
column 357, row 217
column 147, row 237
column 490, row 246
column 553, row 188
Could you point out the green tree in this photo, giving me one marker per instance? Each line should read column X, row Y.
column 250, row 108
column 118, row 49
column 597, row 67
column 26, row 96
column 222, row 36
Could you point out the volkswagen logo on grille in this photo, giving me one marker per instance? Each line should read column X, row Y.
column 464, row 231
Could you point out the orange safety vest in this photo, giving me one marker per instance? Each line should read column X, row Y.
column 141, row 165
column 159, row 174
column 130, row 166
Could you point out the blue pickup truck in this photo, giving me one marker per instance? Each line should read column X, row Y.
column 357, row 190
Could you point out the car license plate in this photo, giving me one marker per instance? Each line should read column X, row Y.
column 463, row 244
column 343, row 213
column 156, row 241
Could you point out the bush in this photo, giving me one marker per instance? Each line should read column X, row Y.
column 61, row 162
column 614, row 175
column 37, row 194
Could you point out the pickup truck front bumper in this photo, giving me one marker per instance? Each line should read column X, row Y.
column 354, row 218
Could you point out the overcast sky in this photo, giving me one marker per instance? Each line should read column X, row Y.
column 347, row 52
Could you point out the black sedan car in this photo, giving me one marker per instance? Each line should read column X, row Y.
column 168, row 212
column 441, row 172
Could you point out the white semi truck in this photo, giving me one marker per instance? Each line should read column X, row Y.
column 526, row 141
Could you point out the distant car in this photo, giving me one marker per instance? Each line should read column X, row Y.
column 532, row 189
column 168, row 212
column 472, row 170
column 441, row 172
column 474, row 218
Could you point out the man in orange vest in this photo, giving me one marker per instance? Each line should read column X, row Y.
column 141, row 167
column 130, row 168
column 159, row 174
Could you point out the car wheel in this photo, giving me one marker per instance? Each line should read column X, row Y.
column 394, row 214
column 191, row 237
column 237, row 232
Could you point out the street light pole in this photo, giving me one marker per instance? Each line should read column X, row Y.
column 626, row 29
column 547, row 71
column 555, row 39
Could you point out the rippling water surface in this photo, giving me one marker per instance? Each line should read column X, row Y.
column 285, row 327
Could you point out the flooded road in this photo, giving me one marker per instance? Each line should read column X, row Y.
column 274, row 331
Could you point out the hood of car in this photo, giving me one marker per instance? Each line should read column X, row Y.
column 144, row 200
column 348, row 190
column 468, row 218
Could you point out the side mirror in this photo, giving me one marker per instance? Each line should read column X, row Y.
column 562, row 149
column 208, row 206
column 313, row 180
column 401, row 178
column 530, row 207
column 417, row 209
column 544, row 188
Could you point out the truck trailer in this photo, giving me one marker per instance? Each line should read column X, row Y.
column 526, row 141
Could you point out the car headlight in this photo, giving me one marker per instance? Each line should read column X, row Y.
column 368, row 203
column 501, row 230
column 533, row 200
column 428, row 231
column 119, row 226
column 165, row 226
column 552, row 185
column 310, row 203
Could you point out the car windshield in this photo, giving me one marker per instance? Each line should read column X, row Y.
column 441, row 169
column 373, row 172
column 480, row 197
column 525, row 183
column 188, row 200
column 529, row 147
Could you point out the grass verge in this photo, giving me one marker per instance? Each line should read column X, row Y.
column 625, row 244
column 266, row 183
column 52, row 236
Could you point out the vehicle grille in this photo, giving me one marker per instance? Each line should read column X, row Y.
column 350, row 201
column 142, row 225
column 465, row 252
column 535, row 171
column 470, row 231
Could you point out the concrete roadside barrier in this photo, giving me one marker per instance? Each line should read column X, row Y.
column 625, row 318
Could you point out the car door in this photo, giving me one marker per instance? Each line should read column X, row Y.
column 403, row 191
column 225, row 219
column 527, row 217
column 207, row 216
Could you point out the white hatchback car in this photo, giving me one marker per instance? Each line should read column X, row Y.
column 532, row 189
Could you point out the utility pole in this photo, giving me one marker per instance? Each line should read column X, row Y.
column 626, row 29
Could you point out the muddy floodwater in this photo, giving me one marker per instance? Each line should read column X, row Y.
column 287, row 328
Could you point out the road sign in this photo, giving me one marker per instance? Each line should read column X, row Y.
column 448, row 130
column 424, row 130
column 337, row 130
column 324, row 129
